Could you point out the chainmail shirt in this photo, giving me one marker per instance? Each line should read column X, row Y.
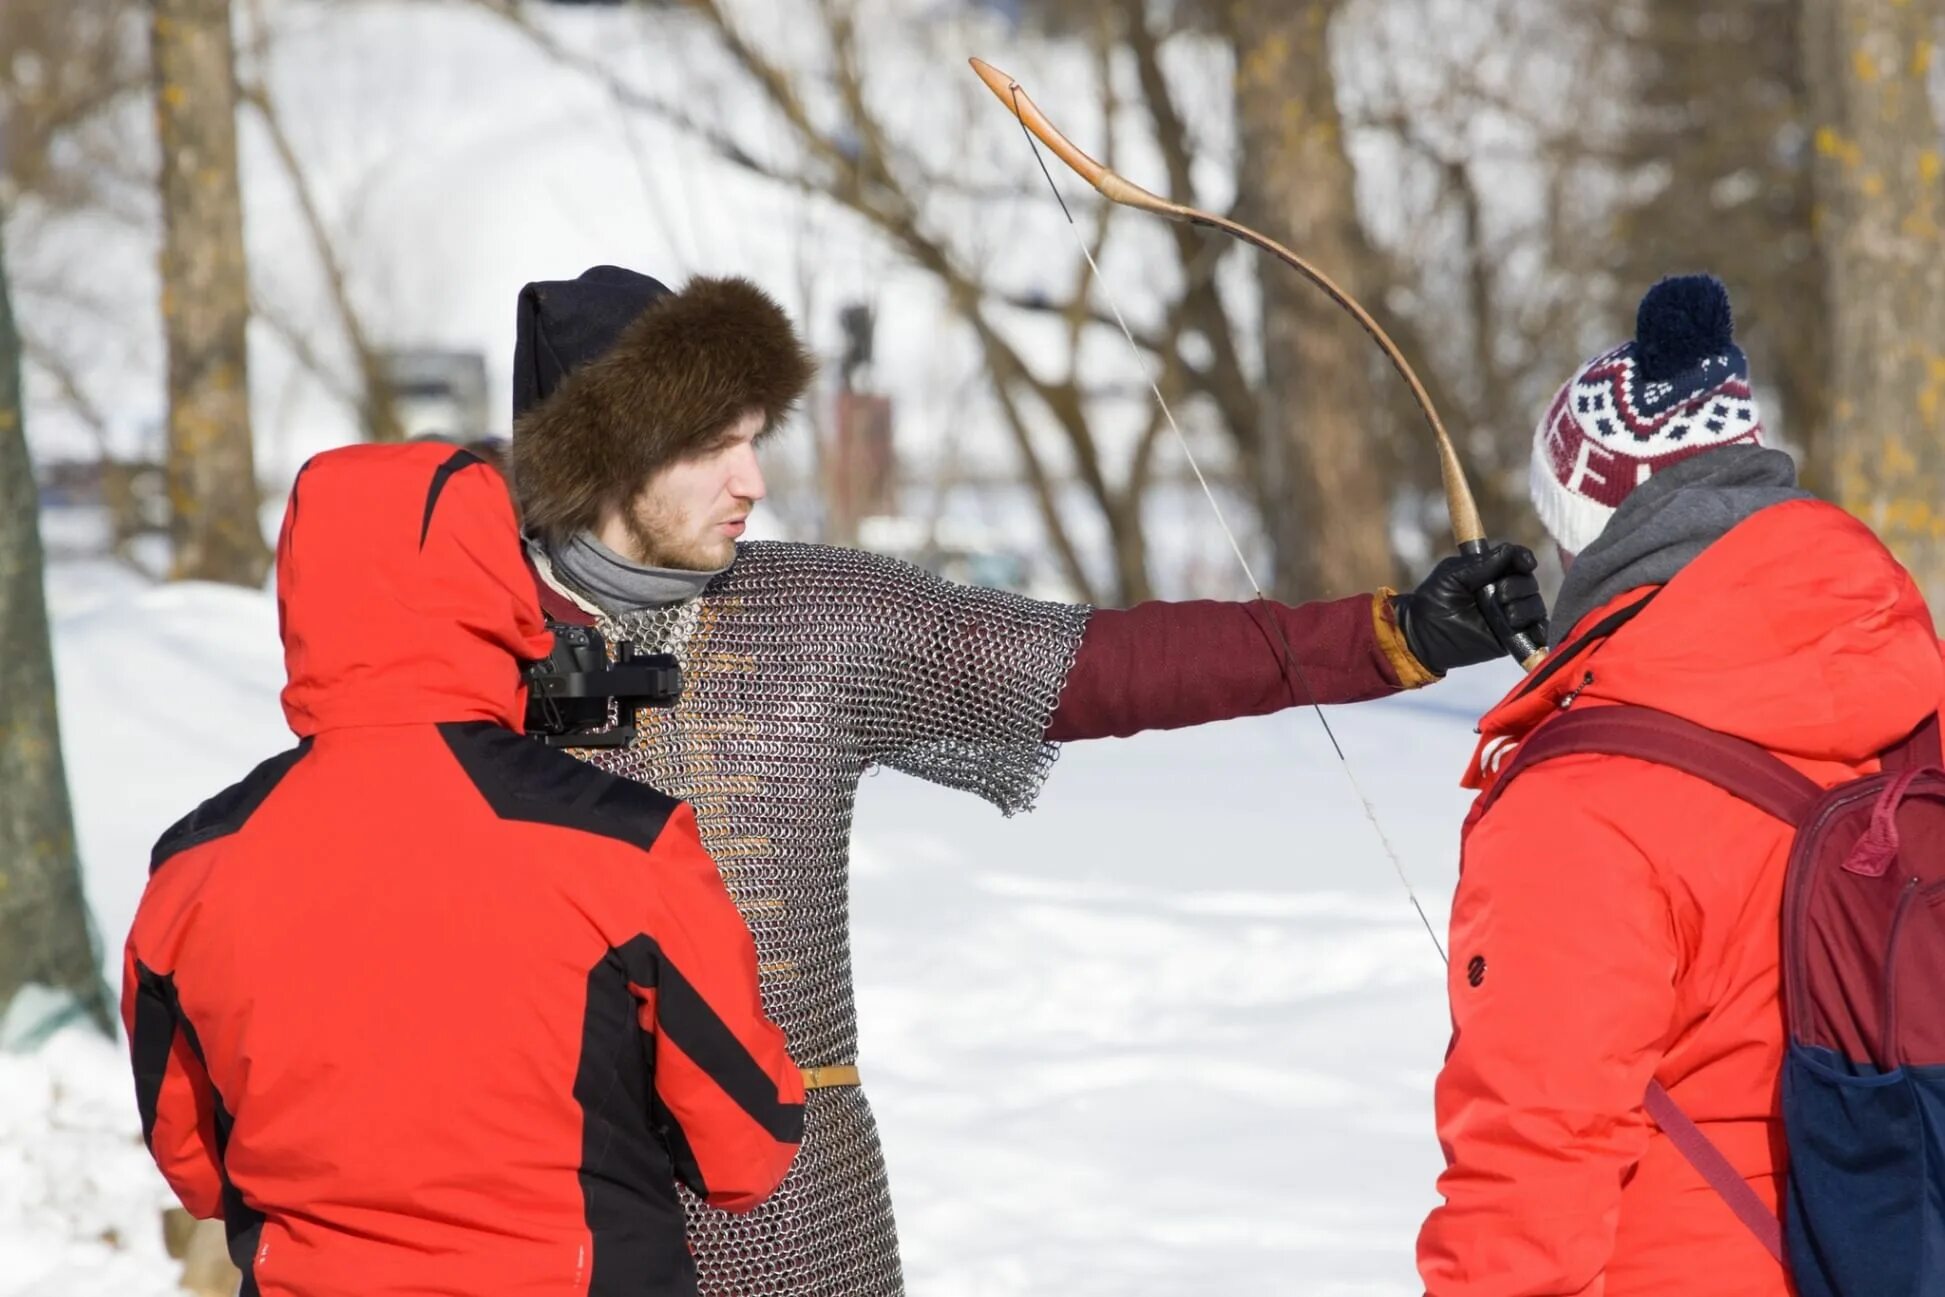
column 804, row 666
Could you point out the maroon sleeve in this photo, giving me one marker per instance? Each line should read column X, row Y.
column 1161, row 666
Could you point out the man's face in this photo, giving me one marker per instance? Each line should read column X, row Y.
column 689, row 514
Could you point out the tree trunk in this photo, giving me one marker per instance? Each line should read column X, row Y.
column 1880, row 200
column 45, row 933
column 205, row 298
column 1735, row 203
column 1322, row 489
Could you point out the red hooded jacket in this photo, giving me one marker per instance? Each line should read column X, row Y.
column 422, row 1006
column 1618, row 921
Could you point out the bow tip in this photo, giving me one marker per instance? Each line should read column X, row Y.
column 996, row 81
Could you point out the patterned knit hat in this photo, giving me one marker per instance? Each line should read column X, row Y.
column 1680, row 388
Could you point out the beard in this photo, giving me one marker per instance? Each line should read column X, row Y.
column 667, row 537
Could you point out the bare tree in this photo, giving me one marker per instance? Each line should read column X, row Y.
column 1322, row 483
column 1881, row 220
column 376, row 399
column 69, row 70
column 45, row 934
column 854, row 156
column 1734, row 191
column 205, row 297
column 858, row 155
column 1494, row 298
column 875, row 175
column 1492, row 197
column 62, row 63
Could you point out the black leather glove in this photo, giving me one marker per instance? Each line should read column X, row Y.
column 1449, row 622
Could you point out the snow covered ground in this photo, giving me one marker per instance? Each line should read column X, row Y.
column 1172, row 1033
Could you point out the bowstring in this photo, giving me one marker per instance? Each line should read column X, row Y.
column 1293, row 670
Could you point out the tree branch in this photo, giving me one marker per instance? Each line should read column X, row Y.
column 1197, row 254
column 377, row 406
column 875, row 194
column 304, row 351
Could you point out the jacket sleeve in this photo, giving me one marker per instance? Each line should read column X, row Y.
column 1562, row 985
column 1162, row 666
column 172, row 1092
column 728, row 1098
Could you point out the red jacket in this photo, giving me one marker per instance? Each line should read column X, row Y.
column 422, row 1006
column 1618, row 921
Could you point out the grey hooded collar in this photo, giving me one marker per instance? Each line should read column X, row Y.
column 614, row 584
column 1671, row 518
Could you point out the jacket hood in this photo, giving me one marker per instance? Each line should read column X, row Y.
column 403, row 596
column 1796, row 630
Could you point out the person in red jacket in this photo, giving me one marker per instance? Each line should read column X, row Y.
column 1618, row 922
column 421, row 1005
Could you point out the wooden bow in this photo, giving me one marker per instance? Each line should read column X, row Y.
column 1467, row 531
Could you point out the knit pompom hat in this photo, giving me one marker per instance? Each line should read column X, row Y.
column 1680, row 388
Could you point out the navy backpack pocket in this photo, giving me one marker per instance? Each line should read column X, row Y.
column 1864, row 1188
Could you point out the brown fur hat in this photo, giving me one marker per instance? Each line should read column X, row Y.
column 684, row 369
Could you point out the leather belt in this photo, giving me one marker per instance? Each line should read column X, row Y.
column 829, row 1078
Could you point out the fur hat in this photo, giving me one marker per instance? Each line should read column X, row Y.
column 676, row 376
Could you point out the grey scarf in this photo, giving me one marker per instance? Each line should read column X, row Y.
column 1669, row 519
column 615, row 584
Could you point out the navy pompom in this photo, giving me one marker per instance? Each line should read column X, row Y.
column 1682, row 321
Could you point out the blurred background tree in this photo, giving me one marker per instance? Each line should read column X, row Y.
column 213, row 496
column 46, row 938
column 1872, row 75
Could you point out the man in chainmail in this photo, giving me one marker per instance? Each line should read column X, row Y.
column 638, row 411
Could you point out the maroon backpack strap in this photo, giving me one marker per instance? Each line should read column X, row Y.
column 1919, row 749
column 1705, row 1157
column 1736, row 766
column 1739, row 768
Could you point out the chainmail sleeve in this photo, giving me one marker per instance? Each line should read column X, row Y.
column 960, row 682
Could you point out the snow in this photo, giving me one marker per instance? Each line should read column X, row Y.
column 80, row 1202
column 1173, row 1032
column 168, row 694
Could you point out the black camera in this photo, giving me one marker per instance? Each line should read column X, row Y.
column 580, row 697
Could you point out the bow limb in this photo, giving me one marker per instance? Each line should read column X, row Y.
column 1468, row 533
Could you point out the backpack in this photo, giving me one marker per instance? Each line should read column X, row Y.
column 1863, row 965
